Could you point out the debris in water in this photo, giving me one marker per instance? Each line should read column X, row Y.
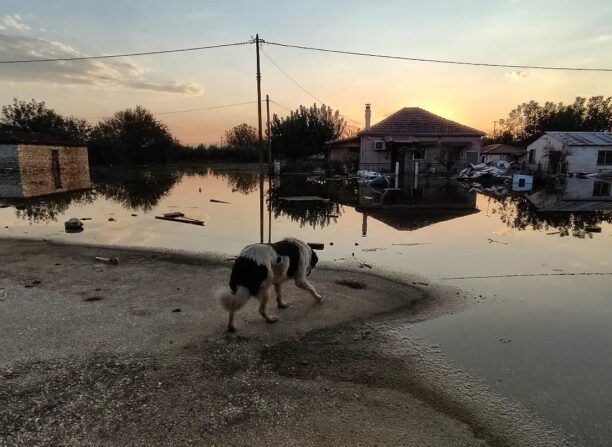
column 304, row 199
column 85, row 218
column 373, row 249
column 134, row 215
column 2, row 294
column 111, row 219
column 352, row 284
column 178, row 309
column 113, row 260
column 331, row 243
column 356, row 244
column 180, row 218
column 365, row 265
column 554, row 232
column 73, row 225
column 593, row 229
column 497, row 242
column 410, row 244
column 93, row 298
column 316, row 245
column 218, row 201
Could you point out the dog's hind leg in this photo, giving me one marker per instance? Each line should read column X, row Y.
column 264, row 295
column 305, row 285
column 279, row 297
column 230, row 325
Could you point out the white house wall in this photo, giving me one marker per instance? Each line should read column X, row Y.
column 579, row 158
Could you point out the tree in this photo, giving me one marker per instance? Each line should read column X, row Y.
column 132, row 135
column 242, row 135
column 35, row 116
column 529, row 120
column 305, row 131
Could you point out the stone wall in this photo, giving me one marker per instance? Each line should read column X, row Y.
column 32, row 174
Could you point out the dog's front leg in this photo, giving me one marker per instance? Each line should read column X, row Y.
column 279, row 297
column 264, row 295
column 305, row 285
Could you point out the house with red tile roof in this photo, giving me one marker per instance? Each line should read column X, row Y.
column 414, row 138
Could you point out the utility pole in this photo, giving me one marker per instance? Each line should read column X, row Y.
column 268, row 132
column 494, row 127
column 260, row 145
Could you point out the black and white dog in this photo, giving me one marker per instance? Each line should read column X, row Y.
column 259, row 267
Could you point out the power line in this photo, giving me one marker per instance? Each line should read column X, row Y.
column 439, row 61
column 291, row 78
column 110, row 56
column 300, row 85
column 189, row 110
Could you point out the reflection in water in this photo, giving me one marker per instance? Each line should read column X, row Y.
column 315, row 213
column 140, row 188
column 20, row 184
column 48, row 208
column 571, row 208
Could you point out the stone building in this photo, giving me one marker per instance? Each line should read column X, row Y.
column 34, row 164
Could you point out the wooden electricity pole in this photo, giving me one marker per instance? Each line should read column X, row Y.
column 260, row 145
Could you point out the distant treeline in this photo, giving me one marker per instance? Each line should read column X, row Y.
column 136, row 137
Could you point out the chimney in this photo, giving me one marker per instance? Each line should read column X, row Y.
column 368, row 115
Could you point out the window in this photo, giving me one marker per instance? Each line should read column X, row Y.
column 601, row 189
column 419, row 153
column 532, row 156
column 604, row 158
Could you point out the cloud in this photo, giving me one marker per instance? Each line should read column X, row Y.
column 13, row 22
column 97, row 73
column 602, row 38
column 517, row 75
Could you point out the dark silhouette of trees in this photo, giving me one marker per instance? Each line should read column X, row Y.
column 529, row 120
column 305, row 131
column 35, row 116
column 132, row 136
column 242, row 136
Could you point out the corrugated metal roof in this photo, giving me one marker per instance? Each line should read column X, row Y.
column 414, row 121
column 583, row 138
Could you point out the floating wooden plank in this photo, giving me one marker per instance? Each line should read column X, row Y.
column 182, row 219
column 217, row 201
column 174, row 214
column 304, row 199
column 316, row 245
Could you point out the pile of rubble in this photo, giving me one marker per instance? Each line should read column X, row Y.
column 500, row 170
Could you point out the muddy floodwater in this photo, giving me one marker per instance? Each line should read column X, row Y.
column 538, row 265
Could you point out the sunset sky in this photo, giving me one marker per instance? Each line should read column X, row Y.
column 561, row 32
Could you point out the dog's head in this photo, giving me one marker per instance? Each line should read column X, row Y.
column 313, row 261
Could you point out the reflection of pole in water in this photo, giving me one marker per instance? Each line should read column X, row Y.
column 261, row 206
column 364, row 225
column 269, row 209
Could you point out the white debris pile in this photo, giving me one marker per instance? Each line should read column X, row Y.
column 493, row 170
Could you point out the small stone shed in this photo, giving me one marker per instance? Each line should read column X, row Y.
column 34, row 164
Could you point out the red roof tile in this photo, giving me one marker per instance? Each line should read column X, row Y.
column 415, row 121
column 502, row 149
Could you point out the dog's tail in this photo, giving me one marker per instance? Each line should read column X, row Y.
column 233, row 301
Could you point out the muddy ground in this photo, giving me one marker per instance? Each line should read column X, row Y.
column 136, row 354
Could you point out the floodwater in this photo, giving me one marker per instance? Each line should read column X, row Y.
column 537, row 333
